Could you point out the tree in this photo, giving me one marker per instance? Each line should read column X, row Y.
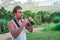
column 55, row 17
column 44, row 16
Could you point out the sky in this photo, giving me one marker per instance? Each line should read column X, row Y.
column 0, row 2
column 40, row 2
column 22, row 1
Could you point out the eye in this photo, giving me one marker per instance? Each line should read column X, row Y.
column 20, row 12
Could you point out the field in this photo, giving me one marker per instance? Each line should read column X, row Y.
column 43, row 35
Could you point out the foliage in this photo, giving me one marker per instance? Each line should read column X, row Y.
column 51, row 27
column 56, row 28
column 39, row 17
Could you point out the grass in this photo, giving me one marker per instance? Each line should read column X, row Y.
column 52, row 35
column 35, row 26
column 43, row 35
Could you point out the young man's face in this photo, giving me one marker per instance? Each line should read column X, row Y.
column 19, row 13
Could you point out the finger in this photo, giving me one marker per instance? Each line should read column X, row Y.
column 30, row 17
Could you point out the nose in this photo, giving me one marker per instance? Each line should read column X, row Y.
column 21, row 14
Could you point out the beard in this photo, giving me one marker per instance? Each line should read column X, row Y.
column 19, row 18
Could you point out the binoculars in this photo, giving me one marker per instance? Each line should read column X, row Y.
column 30, row 23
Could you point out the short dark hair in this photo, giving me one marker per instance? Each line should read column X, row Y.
column 15, row 9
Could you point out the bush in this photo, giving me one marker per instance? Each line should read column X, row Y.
column 44, row 25
column 57, row 27
column 52, row 27
column 56, row 19
column 6, row 31
column 49, row 27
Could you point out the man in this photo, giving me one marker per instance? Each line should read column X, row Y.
column 19, row 33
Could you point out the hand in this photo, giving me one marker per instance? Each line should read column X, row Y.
column 30, row 19
column 26, row 21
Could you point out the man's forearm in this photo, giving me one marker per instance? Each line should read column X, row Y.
column 29, row 28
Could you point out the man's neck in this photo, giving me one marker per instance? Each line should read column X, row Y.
column 17, row 19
